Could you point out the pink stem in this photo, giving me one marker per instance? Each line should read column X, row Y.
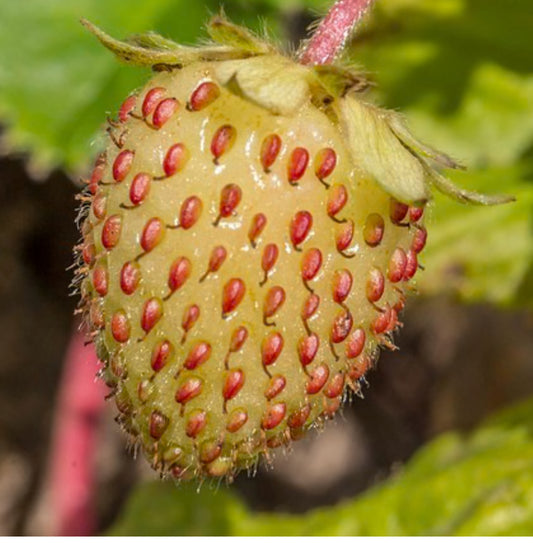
column 330, row 37
column 72, row 470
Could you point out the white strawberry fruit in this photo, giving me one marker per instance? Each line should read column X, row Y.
column 249, row 237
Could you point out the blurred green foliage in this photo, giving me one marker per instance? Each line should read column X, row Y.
column 459, row 69
column 480, row 484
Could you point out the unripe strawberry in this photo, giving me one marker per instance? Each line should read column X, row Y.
column 252, row 234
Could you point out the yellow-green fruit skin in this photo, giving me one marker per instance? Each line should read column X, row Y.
column 185, row 414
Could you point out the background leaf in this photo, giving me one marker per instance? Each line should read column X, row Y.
column 480, row 484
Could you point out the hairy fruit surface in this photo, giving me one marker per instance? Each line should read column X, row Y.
column 249, row 237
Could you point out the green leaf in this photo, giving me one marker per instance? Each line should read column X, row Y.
column 476, row 485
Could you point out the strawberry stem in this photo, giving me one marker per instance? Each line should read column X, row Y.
column 331, row 35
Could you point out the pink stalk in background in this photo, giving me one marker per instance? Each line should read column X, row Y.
column 81, row 398
column 74, row 443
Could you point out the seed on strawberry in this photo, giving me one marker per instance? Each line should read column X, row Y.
column 247, row 248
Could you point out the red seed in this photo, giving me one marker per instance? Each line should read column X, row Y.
column 307, row 349
column 359, row 367
column 223, row 140
column 397, row 264
column 311, row 263
column 161, row 354
column 375, row 285
column 140, row 186
column 300, row 226
column 411, row 266
column 158, row 424
column 152, row 98
column 130, row 275
column 122, row 165
column 341, row 327
column 152, row 234
column 335, row 386
column 189, row 390
column 144, row 390
column 96, row 315
column 111, row 231
column 270, row 149
column 196, row 422
column 415, row 213
column 232, row 295
column 276, row 441
column 190, row 212
column 117, row 366
column 342, row 285
column 127, row 107
column 271, row 348
column 97, row 173
column 206, row 93
column 317, row 379
column 332, row 406
column 233, row 384
column 397, row 211
column 270, row 256
column 275, row 387
column 236, row 420
column 190, row 316
column 419, row 239
column 88, row 253
column 152, row 312
column 179, row 473
column 209, row 452
column 230, row 198
column 120, row 326
column 175, row 159
column 238, row 338
column 373, row 229
column 273, row 301
column 383, row 321
column 297, row 164
column 310, row 306
column 198, row 355
column 99, row 205
column 400, row 304
column 180, row 270
column 344, row 236
column 325, row 162
column 164, row 110
column 299, row 418
column 355, row 343
column 256, row 227
column 100, row 279
column 338, row 196
column 273, row 416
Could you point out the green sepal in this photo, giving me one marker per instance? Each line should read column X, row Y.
column 447, row 187
column 227, row 33
column 150, row 49
column 338, row 80
column 271, row 81
column 376, row 149
column 398, row 126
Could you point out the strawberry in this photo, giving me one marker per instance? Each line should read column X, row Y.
column 249, row 237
